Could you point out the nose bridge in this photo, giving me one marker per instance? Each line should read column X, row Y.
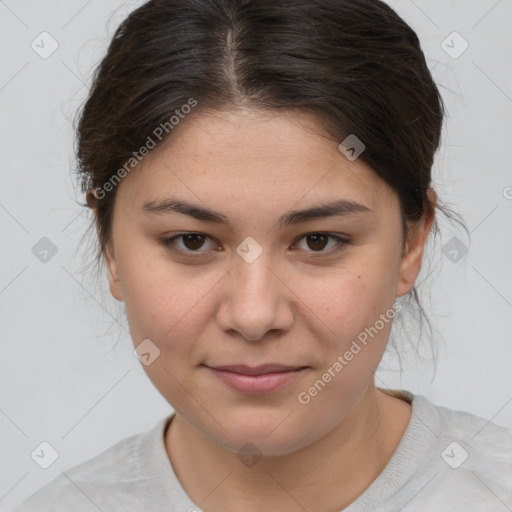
column 256, row 301
column 251, row 268
column 254, row 280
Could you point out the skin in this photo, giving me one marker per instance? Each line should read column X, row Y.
column 293, row 305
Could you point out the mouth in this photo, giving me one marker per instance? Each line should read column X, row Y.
column 257, row 380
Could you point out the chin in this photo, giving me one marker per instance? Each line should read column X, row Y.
column 270, row 434
column 247, row 444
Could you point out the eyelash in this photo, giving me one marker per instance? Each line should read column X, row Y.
column 170, row 244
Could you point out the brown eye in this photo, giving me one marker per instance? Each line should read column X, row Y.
column 194, row 241
column 317, row 241
column 322, row 243
column 188, row 243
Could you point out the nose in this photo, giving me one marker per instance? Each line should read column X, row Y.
column 256, row 300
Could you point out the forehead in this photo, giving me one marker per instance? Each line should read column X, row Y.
column 264, row 158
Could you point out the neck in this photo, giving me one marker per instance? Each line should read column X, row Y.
column 333, row 471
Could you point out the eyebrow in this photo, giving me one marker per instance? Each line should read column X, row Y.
column 339, row 208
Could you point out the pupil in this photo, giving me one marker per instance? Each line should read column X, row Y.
column 197, row 241
column 316, row 239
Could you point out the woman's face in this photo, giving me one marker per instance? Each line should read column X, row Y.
column 257, row 286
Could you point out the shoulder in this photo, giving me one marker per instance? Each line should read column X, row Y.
column 485, row 442
column 112, row 480
column 470, row 464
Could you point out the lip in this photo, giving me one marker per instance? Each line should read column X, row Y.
column 257, row 380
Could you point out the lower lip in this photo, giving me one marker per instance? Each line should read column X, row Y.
column 257, row 384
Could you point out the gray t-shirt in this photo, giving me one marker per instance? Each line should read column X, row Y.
column 447, row 460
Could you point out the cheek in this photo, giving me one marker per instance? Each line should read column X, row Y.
column 358, row 310
column 351, row 298
column 162, row 307
column 170, row 308
column 166, row 303
column 355, row 306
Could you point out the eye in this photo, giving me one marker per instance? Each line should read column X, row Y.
column 318, row 241
column 190, row 242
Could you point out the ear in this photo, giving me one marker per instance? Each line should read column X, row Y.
column 410, row 265
column 112, row 273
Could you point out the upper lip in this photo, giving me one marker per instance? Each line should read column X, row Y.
column 257, row 370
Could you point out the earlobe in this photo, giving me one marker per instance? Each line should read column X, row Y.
column 410, row 265
column 112, row 273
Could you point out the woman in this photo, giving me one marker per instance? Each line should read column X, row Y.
column 260, row 174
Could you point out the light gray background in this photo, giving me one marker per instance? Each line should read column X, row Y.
column 63, row 378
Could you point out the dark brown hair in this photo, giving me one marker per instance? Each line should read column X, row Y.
column 355, row 64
